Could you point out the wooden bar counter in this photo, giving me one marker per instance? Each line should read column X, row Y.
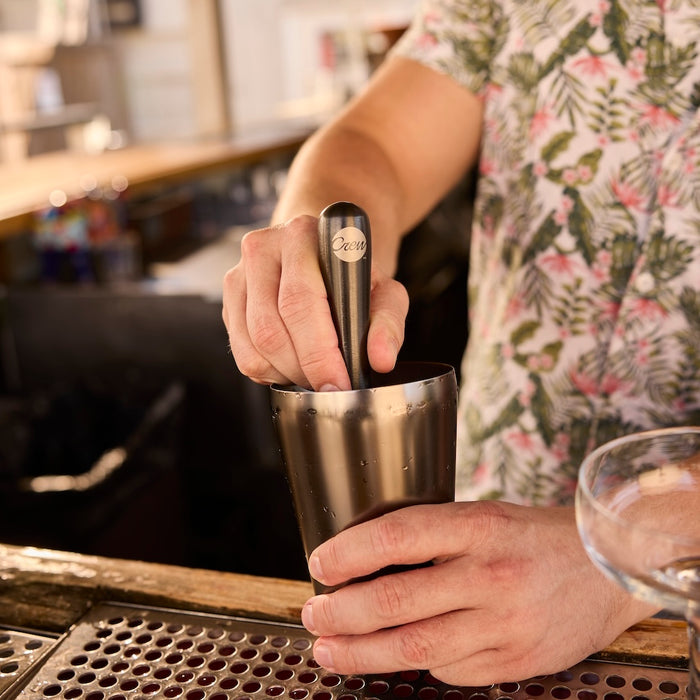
column 25, row 186
column 49, row 590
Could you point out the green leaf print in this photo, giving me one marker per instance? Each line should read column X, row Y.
column 570, row 46
column 615, row 25
column 690, row 306
column 508, row 416
column 667, row 256
column 543, row 238
column 523, row 72
column 581, row 224
column 624, row 256
column 524, row 332
column 556, row 145
column 541, row 407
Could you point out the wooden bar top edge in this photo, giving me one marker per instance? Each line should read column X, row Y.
column 25, row 186
column 49, row 590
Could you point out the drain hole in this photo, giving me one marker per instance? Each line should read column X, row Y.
column 669, row 687
column 174, row 691
column 12, row 667
column 615, row 681
column 6, row 653
column 535, row 690
column 428, row 693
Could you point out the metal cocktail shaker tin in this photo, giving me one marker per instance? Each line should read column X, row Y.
column 353, row 455
column 387, row 443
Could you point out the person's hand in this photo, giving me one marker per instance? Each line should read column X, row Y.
column 512, row 594
column 277, row 314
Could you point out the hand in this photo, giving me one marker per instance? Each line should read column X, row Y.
column 277, row 314
column 512, row 594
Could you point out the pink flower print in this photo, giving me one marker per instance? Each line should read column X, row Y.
column 679, row 404
column 603, row 140
column 648, row 308
column 560, row 447
column 629, row 196
column 604, row 6
column 596, row 19
column 591, row 65
column 609, row 311
column 586, row 384
column 561, row 218
column 521, row 440
column 533, row 363
column 570, row 176
column 540, row 169
column 666, row 196
column 559, row 262
column 639, row 55
column 585, row 173
column 480, row 474
column 612, row 384
column 636, row 73
column 540, row 121
column 507, row 351
column 515, row 307
column 526, row 394
column 427, row 40
column 633, row 135
column 658, row 117
column 486, row 167
column 546, row 361
column 604, row 257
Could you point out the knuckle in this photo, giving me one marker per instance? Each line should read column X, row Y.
column 266, row 332
column 253, row 242
column 389, row 597
column 325, row 617
column 391, row 534
column 415, row 646
column 252, row 365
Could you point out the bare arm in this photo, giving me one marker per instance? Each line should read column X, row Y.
column 395, row 151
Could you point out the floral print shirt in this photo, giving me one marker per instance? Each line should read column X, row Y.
column 584, row 286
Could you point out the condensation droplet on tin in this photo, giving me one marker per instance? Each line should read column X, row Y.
column 311, row 411
column 363, row 462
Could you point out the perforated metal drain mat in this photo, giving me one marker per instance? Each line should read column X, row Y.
column 19, row 651
column 122, row 653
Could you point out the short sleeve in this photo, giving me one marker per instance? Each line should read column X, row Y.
column 455, row 37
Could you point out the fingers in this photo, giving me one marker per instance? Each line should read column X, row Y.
column 277, row 315
column 467, row 640
column 388, row 313
column 407, row 536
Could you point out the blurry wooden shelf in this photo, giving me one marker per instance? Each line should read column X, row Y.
column 63, row 116
column 25, row 187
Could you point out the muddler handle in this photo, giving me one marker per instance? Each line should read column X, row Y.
column 345, row 254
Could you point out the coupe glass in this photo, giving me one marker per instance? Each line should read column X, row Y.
column 638, row 514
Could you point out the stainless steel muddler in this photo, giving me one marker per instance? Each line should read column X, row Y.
column 390, row 441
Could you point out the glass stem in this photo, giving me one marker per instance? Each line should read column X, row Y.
column 694, row 656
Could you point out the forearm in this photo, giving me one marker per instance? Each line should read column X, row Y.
column 340, row 163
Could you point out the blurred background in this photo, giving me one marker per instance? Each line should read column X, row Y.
column 139, row 141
